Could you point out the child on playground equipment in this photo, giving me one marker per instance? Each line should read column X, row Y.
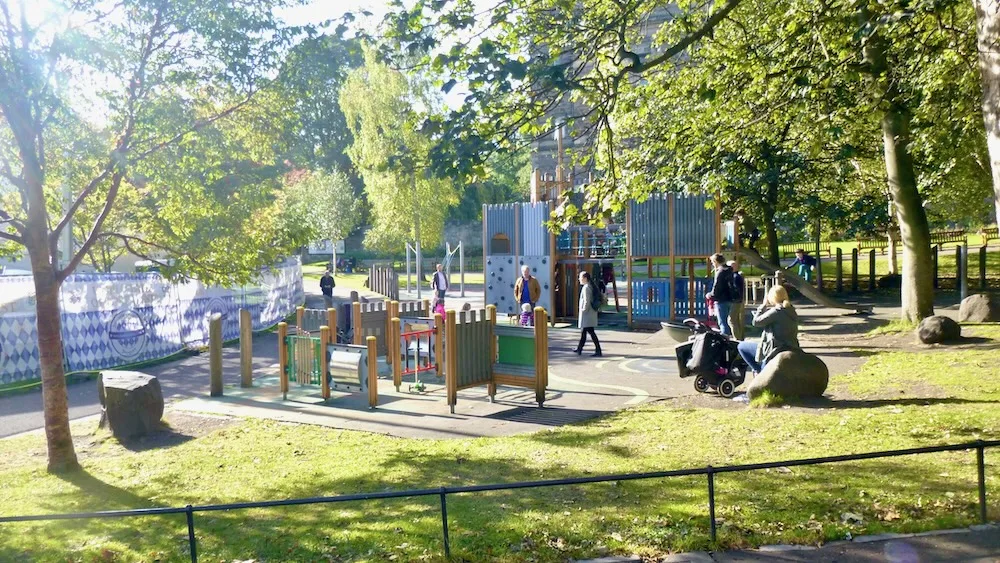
column 527, row 315
column 806, row 264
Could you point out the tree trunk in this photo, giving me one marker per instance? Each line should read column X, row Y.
column 988, row 33
column 62, row 456
column 917, row 279
column 770, row 226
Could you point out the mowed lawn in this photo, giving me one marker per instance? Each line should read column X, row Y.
column 356, row 280
column 896, row 400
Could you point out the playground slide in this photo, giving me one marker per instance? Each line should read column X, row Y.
column 804, row 287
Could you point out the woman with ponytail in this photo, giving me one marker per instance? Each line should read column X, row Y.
column 780, row 325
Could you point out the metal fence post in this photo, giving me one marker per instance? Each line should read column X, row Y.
column 981, row 470
column 711, row 502
column 444, row 522
column 191, row 541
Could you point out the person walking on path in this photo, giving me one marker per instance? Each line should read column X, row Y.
column 806, row 264
column 534, row 292
column 588, row 314
column 780, row 325
column 326, row 285
column 737, row 318
column 440, row 282
column 723, row 292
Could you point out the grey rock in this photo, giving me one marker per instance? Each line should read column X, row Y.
column 979, row 308
column 938, row 329
column 131, row 403
column 792, row 375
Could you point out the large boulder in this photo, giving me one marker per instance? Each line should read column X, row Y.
column 792, row 375
column 979, row 308
column 938, row 329
column 131, row 402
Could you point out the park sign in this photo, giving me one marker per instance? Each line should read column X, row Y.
column 324, row 247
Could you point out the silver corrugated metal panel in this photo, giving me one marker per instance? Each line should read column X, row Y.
column 694, row 226
column 535, row 239
column 500, row 220
column 650, row 235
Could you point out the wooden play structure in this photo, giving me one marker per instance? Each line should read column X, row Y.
column 669, row 236
column 471, row 350
column 317, row 361
column 383, row 280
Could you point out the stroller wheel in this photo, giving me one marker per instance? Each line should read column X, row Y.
column 701, row 384
column 727, row 388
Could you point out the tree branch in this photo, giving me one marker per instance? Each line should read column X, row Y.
column 116, row 181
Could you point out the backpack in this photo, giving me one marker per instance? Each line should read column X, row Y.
column 598, row 299
column 737, row 286
column 729, row 290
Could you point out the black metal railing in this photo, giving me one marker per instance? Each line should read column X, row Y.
column 979, row 446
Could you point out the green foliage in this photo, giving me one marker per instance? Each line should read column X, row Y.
column 767, row 400
column 323, row 202
column 507, row 180
column 391, row 155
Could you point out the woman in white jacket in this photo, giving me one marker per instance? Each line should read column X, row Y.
column 588, row 314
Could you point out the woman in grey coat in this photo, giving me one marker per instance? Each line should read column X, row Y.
column 588, row 315
column 780, row 326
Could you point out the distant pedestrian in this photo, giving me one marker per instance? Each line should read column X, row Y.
column 737, row 318
column 534, row 292
column 326, row 285
column 589, row 305
column 440, row 282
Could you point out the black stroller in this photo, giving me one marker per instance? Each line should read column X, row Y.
column 712, row 359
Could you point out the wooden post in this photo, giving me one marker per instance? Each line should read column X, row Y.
column 439, row 359
column 819, row 255
column 934, row 264
column 691, row 287
column 356, row 323
column 541, row 355
column 331, row 321
column 871, row 270
column 958, row 266
column 491, row 342
column 840, row 270
column 300, row 315
column 246, row 349
column 283, row 359
column 673, row 259
column 451, row 369
column 963, row 272
column 854, row 270
column 215, row 354
column 324, row 366
column 394, row 353
column 372, row 372
column 982, row 267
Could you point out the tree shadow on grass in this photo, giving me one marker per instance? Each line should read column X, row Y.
column 837, row 404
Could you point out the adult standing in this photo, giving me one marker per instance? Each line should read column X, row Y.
column 326, row 285
column 588, row 314
column 737, row 318
column 780, row 326
column 534, row 292
column 723, row 292
column 440, row 282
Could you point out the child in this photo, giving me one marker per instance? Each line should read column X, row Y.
column 527, row 315
column 438, row 306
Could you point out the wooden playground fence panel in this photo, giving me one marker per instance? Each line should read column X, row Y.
column 384, row 281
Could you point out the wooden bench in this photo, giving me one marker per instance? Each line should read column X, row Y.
column 879, row 244
column 788, row 249
column 990, row 233
column 944, row 237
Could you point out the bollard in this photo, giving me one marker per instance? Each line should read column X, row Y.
column 324, row 366
column 283, row 359
column 854, row 270
column 354, row 297
column 300, row 315
column 982, row 267
column 840, row 271
column 372, row 372
column 963, row 272
column 934, row 263
column 871, row 270
column 246, row 349
column 215, row 354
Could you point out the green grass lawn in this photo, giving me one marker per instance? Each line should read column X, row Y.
column 897, row 399
column 357, row 280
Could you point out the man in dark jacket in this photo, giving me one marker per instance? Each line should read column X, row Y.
column 722, row 292
column 737, row 317
column 326, row 285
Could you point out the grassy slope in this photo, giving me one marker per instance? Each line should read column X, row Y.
column 943, row 397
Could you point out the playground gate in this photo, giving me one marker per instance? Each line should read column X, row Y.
column 385, row 281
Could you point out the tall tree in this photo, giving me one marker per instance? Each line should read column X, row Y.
column 391, row 153
column 146, row 79
column 325, row 203
column 988, row 33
